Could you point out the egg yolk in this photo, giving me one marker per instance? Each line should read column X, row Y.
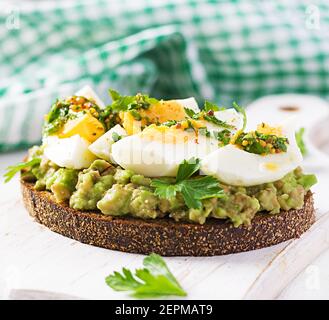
column 164, row 111
column 163, row 134
column 270, row 166
column 266, row 129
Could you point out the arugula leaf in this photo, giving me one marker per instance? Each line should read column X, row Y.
column 193, row 189
column 300, row 141
column 155, row 280
column 13, row 170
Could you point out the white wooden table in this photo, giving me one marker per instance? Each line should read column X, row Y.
column 34, row 258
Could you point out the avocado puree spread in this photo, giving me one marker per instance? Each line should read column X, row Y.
column 115, row 191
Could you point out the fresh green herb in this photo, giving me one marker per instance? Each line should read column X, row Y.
column 135, row 114
column 223, row 137
column 191, row 113
column 13, row 170
column 57, row 117
column 210, row 117
column 193, row 190
column 259, row 143
column 211, row 106
column 70, row 108
column 169, row 123
column 125, row 103
column 242, row 111
column 115, row 95
column 187, row 168
column 300, row 141
column 204, row 131
column 153, row 281
column 116, row 137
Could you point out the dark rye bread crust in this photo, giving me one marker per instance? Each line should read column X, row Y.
column 165, row 236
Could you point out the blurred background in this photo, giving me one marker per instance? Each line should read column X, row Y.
column 222, row 51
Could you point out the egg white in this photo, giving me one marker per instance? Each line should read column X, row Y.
column 89, row 93
column 237, row 167
column 156, row 159
column 70, row 152
column 102, row 146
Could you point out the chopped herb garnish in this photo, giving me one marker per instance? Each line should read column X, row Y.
column 204, row 131
column 13, row 170
column 191, row 113
column 209, row 116
column 260, row 143
column 135, row 114
column 211, row 106
column 116, row 137
column 71, row 108
column 223, row 137
column 154, row 280
column 125, row 103
column 169, row 123
column 193, row 190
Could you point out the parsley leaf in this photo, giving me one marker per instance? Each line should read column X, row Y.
column 210, row 106
column 164, row 188
column 187, row 168
column 154, row 280
column 13, row 170
column 193, row 189
column 191, row 113
column 300, row 141
column 213, row 119
column 125, row 103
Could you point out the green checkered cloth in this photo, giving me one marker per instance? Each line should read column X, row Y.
column 216, row 50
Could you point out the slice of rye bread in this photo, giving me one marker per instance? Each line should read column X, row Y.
column 165, row 236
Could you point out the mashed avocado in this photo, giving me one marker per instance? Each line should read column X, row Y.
column 115, row 191
column 92, row 185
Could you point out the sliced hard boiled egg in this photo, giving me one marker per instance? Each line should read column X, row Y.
column 189, row 103
column 102, row 146
column 87, row 126
column 231, row 117
column 237, row 167
column 158, row 150
column 90, row 94
column 68, row 152
column 159, row 112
